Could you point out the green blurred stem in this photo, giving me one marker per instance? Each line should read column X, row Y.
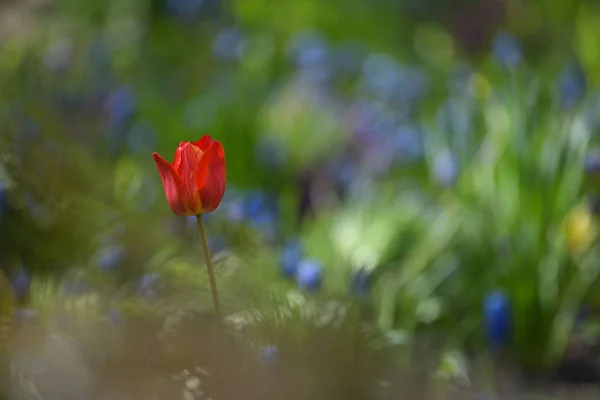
column 209, row 265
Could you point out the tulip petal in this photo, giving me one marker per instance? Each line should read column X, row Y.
column 171, row 184
column 190, row 158
column 204, row 142
column 210, row 177
column 177, row 159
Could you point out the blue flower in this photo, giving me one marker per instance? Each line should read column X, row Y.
column 120, row 106
column 311, row 54
column 148, row 286
column 445, row 168
column 497, row 318
column 110, row 258
column 229, row 44
column 309, row 275
column 592, row 162
column 269, row 356
column 291, row 256
column 344, row 175
column 407, row 142
column 360, row 281
column 506, row 50
column 20, row 283
column 571, row 85
column 380, row 74
column 266, row 223
column 3, row 199
column 184, row 9
column 411, row 85
column 255, row 202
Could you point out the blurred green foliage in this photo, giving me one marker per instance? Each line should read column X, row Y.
column 497, row 198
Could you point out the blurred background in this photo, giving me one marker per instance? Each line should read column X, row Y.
column 411, row 203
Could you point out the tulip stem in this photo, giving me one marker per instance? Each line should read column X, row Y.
column 209, row 265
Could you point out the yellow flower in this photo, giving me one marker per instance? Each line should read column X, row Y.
column 580, row 229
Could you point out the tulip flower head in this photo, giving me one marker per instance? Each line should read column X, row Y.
column 195, row 183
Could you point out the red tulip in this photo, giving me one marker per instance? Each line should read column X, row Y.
column 195, row 183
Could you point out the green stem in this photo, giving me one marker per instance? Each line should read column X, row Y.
column 209, row 266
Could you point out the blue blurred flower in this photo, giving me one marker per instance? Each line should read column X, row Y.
column 290, row 257
column 571, row 85
column 360, row 281
column 342, row 172
column 233, row 210
column 309, row 275
column 345, row 174
column 3, row 199
column 506, row 50
column 410, row 86
column 58, row 55
column 141, row 138
column 184, row 9
column 445, row 168
column 20, row 282
column 229, row 44
column 115, row 317
column 110, row 258
column 266, row 223
column 120, row 106
column 407, row 143
column 148, row 286
column 256, row 201
column 269, row 356
column 592, row 162
column 311, row 53
column 497, row 318
column 380, row 74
